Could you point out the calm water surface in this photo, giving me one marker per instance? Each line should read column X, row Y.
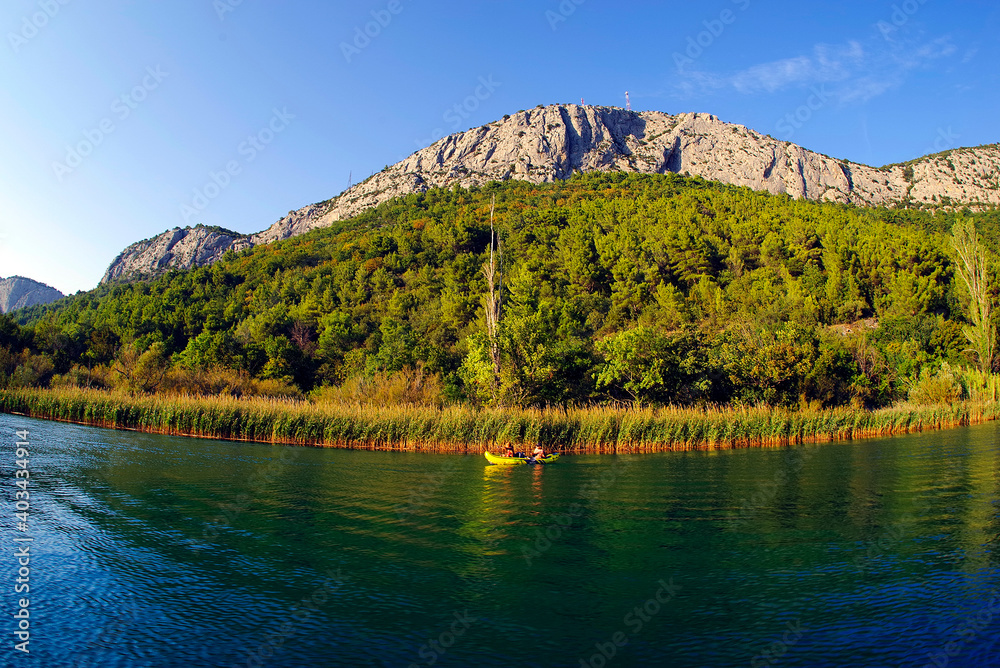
column 160, row 551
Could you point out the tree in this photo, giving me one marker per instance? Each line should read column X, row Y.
column 493, row 272
column 141, row 371
column 302, row 336
column 649, row 365
column 970, row 265
column 633, row 360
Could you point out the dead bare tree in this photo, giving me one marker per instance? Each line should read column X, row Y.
column 301, row 336
column 493, row 271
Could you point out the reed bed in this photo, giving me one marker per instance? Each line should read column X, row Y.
column 466, row 430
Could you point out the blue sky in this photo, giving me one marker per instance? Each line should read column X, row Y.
column 125, row 118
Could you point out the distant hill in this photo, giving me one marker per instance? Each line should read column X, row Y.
column 552, row 143
column 19, row 292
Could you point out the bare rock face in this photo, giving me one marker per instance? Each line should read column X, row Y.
column 174, row 249
column 19, row 292
column 292, row 225
column 965, row 176
column 549, row 143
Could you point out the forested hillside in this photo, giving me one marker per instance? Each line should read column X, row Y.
column 660, row 289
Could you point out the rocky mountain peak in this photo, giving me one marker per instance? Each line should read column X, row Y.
column 179, row 248
column 548, row 143
column 20, row 292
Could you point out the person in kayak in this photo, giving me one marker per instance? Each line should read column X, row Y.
column 539, row 453
column 509, row 452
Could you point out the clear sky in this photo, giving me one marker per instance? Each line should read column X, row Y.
column 117, row 113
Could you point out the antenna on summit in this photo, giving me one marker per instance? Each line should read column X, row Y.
column 628, row 103
column 582, row 103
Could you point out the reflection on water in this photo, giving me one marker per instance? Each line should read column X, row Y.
column 160, row 551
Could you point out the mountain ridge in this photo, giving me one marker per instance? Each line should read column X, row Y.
column 177, row 248
column 550, row 143
column 18, row 292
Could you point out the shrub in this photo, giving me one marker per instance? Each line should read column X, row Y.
column 941, row 387
column 34, row 371
column 98, row 377
column 977, row 385
column 408, row 387
column 225, row 382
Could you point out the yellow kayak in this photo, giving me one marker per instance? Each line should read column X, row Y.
column 518, row 461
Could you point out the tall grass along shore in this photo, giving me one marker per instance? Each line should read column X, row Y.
column 466, row 430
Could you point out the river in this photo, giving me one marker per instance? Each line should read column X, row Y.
column 151, row 550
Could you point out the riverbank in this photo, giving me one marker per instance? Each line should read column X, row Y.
column 597, row 430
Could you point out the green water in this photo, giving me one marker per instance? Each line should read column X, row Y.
column 161, row 551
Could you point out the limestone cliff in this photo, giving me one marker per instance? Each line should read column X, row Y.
column 549, row 143
column 174, row 249
column 19, row 292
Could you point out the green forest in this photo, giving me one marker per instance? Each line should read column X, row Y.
column 607, row 288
